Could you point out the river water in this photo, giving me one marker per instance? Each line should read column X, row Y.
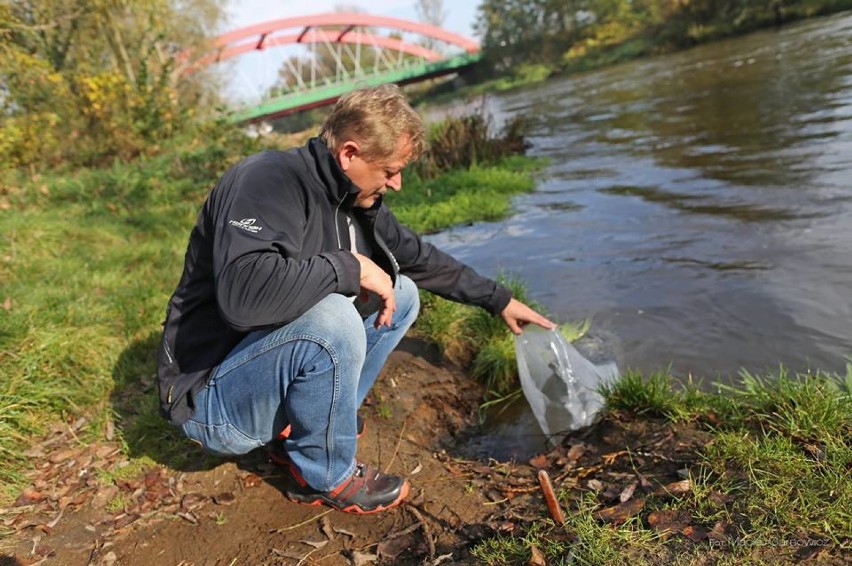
column 697, row 207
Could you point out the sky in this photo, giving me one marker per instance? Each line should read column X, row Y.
column 251, row 75
column 460, row 13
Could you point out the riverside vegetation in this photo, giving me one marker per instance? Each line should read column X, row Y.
column 528, row 41
column 90, row 255
column 94, row 229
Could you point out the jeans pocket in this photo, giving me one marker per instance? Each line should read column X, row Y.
column 222, row 440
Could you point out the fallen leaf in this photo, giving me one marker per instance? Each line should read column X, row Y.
column 62, row 455
column 675, row 488
column 392, row 547
column 536, row 557
column 192, row 501
column 618, row 514
column 226, row 498
column 188, row 517
column 669, row 520
column 317, row 544
column 595, row 485
column 361, row 558
column 252, row 480
column 350, row 534
column 576, row 452
column 627, row 493
column 539, row 461
column 417, row 469
column 718, row 531
column 28, row 497
column 104, row 496
column 719, row 498
column 325, row 527
column 695, row 533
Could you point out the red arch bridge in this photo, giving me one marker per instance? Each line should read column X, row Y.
column 336, row 52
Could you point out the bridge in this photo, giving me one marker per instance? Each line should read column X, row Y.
column 336, row 53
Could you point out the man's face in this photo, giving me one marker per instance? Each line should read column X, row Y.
column 374, row 177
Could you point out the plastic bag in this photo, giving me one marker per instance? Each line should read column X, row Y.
column 560, row 385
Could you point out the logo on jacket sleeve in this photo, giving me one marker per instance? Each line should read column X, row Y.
column 246, row 224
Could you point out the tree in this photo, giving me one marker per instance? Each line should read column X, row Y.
column 431, row 12
column 100, row 75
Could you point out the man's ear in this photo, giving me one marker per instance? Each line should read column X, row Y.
column 346, row 153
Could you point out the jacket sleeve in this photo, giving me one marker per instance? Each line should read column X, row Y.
column 437, row 271
column 261, row 276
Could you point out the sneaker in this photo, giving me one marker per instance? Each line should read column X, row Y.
column 366, row 491
column 277, row 451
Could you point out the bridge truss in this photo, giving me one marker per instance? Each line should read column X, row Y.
column 321, row 57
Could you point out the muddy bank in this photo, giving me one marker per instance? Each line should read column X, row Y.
column 81, row 509
column 235, row 513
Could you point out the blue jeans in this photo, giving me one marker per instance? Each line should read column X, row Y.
column 313, row 374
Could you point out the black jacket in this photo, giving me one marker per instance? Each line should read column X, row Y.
column 270, row 242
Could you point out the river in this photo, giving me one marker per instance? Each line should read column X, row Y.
column 697, row 207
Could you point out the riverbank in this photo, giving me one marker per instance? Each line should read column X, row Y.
column 613, row 44
column 92, row 474
column 89, row 258
column 758, row 476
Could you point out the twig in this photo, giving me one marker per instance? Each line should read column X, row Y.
column 426, row 533
column 398, row 442
column 550, row 497
column 487, row 503
column 305, row 522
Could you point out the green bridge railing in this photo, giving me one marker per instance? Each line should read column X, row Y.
column 306, row 99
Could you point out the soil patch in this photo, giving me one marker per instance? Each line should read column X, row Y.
column 235, row 512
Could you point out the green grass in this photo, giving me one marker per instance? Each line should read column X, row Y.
column 88, row 260
column 781, row 453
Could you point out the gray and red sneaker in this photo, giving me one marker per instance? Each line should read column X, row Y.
column 366, row 491
column 277, row 451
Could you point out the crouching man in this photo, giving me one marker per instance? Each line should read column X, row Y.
column 298, row 282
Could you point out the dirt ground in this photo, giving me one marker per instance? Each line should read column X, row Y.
column 234, row 512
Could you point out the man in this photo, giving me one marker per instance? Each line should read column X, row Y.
column 298, row 283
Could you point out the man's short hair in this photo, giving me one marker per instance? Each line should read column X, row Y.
column 376, row 118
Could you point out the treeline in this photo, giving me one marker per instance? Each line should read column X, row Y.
column 82, row 81
column 570, row 34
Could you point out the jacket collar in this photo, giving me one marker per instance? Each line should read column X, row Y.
column 338, row 185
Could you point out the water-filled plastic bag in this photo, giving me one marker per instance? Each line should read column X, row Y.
column 560, row 384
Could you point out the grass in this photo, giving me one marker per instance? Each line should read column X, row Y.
column 781, row 453
column 88, row 260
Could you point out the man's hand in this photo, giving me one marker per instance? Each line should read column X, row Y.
column 373, row 278
column 517, row 314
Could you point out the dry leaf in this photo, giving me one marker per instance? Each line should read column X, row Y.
column 675, row 488
column 192, row 501
column 252, row 480
column 226, row 498
column 539, row 461
column 695, row 533
column 576, row 452
column 536, row 557
column 669, row 520
column 317, row 544
column 325, row 527
column 417, row 469
column 361, row 558
column 28, row 497
column 595, row 485
column 188, row 517
column 392, row 547
column 627, row 492
column 618, row 514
